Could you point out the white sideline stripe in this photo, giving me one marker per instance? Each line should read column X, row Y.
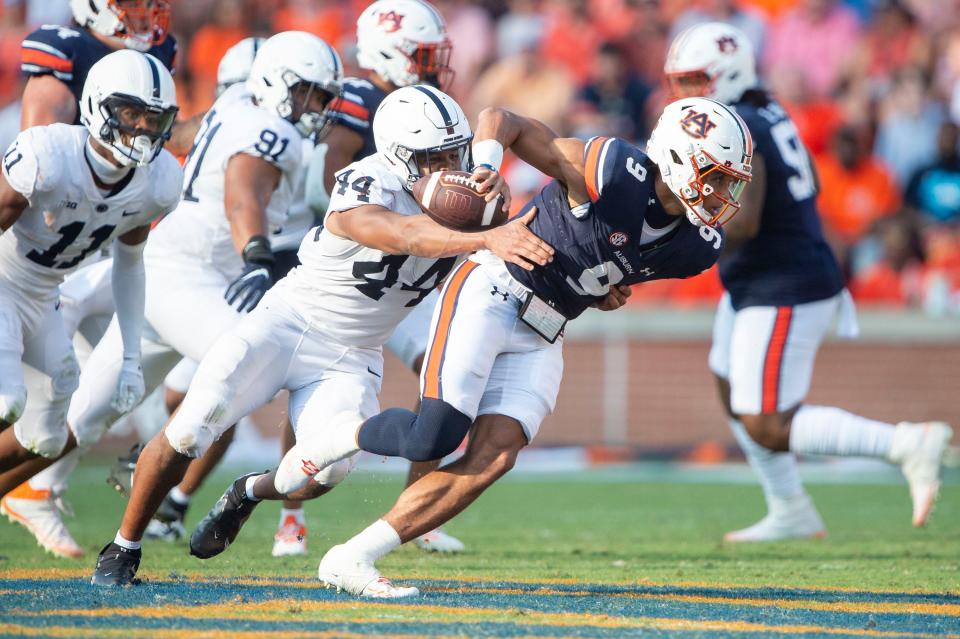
column 489, row 210
column 431, row 187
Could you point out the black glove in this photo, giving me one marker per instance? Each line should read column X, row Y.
column 246, row 291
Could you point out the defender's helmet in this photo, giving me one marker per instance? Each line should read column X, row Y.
column 405, row 42
column 413, row 122
column 713, row 60
column 129, row 104
column 290, row 68
column 699, row 145
column 138, row 24
column 235, row 64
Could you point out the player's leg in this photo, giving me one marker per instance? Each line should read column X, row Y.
column 785, row 423
column 242, row 370
column 291, row 536
column 790, row 511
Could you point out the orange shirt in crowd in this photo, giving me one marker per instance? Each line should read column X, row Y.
column 330, row 23
column 203, row 56
column 850, row 201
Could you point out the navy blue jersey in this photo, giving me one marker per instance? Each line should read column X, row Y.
column 622, row 236
column 67, row 53
column 788, row 262
column 355, row 110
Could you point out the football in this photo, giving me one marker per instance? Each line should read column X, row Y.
column 451, row 199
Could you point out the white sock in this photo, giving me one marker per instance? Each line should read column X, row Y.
column 120, row 540
column 248, row 487
column 375, row 541
column 296, row 513
column 55, row 477
column 179, row 496
column 825, row 430
column 778, row 472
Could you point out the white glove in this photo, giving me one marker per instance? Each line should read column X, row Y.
column 130, row 387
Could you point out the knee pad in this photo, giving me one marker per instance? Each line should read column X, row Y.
column 438, row 431
column 66, row 380
column 13, row 399
column 46, row 443
column 336, row 473
column 189, row 439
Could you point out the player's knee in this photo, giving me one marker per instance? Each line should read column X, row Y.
column 189, row 438
column 66, row 380
column 13, row 399
column 335, row 473
column 438, row 431
column 769, row 430
column 48, row 443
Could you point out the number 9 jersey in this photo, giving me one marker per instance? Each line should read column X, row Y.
column 198, row 230
column 358, row 294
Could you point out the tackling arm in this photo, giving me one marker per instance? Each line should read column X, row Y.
column 47, row 100
column 182, row 135
column 746, row 223
column 248, row 184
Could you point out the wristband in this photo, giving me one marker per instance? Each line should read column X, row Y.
column 489, row 154
column 257, row 251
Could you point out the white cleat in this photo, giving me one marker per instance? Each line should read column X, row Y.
column 344, row 572
column 37, row 511
column 291, row 539
column 438, row 541
column 794, row 518
column 920, row 449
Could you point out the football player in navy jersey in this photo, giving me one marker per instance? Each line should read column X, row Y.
column 783, row 290
column 614, row 216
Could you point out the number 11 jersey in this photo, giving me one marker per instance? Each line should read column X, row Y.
column 355, row 293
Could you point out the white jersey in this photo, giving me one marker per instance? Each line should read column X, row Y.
column 198, row 230
column 300, row 217
column 357, row 294
column 69, row 218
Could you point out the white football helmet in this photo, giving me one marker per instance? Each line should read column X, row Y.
column 236, row 62
column 296, row 62
column 405, row 42
column 713, row 60
column 695, row 140
column 129, row 104
column 413, row 122
column 138, row 24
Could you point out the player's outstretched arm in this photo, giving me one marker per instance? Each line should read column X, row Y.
column 128, row 282
column 534, row 143
column 746, row 223
column 46, row 100
column 418, row 235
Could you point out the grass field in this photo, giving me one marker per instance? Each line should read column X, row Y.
column 548, row 556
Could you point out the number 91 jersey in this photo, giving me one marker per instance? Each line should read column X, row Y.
column 198, row 230
column 357, row 293
column 68, row 217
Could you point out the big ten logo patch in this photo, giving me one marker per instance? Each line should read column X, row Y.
column 697, row 125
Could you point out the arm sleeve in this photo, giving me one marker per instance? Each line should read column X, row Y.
column 128, row 280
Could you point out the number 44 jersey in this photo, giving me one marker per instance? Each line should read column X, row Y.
column 69, row 218
column 355, row 293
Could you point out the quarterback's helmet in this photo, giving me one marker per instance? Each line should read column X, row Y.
column 405, row 42
column 713, row 60
column 703, row 148
column 290, row 69
column 414, row 122
column 129, row 104
column 235, row 64
column 138, row 24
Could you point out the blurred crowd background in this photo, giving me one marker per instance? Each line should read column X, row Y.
column 873, row 85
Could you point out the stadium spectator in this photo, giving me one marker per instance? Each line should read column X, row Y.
column 614, row 101
column 888, row 265
column 891, row 42
column 522, row 22
column 471, row 28
column 226, row 27
column 908, row 123
column 934, row 190
column 856, row 189
column 571, row 40
column 328, row 20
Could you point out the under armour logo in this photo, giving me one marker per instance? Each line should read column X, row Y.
column 497, row 291
column 696, row 125
column 646, row 271
column 309, row 468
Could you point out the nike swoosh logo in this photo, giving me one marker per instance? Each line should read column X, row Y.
column 129, row 213
column 372, row 372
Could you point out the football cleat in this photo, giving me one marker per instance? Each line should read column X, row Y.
column 291, row 538
column 438, row 541
column 121, row 473
column 116, row 566
column 920, row 449
column 343, row 572
column 794, row 518
column 220, row 527
column 39, row 513
column 167, row 523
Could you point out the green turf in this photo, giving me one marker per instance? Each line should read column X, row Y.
column 559, row 527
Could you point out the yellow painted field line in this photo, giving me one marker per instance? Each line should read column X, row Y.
column 194, row 633
column 280, row 610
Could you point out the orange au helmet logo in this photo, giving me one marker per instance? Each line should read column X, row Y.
column 727, row 44
column 390, row 21
column 696, row 125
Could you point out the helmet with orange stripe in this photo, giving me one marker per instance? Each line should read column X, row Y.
column 703, row 150
column 137, row 24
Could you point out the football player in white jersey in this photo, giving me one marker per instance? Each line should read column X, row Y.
column 320, row 330
column 66, row 191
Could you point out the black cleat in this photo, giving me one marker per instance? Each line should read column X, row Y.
column 121, row 474
column 222, row 524
column 116, row 566
column 167, row 523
